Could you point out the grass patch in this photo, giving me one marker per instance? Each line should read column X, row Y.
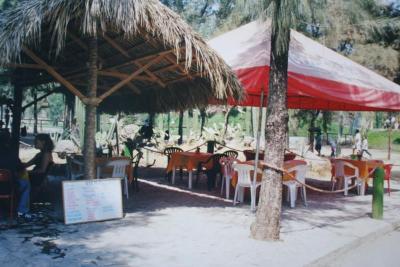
column 379, row 140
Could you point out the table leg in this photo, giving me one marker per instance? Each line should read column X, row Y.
column 173, row 175
column 362, row 188
column 190, row 179
column 241, row 194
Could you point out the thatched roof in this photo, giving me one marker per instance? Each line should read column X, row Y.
column 175, row 68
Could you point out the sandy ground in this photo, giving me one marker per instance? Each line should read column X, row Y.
column 164, row 226
column 380, row 252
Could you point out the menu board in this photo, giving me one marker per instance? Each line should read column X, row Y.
column 92, row 200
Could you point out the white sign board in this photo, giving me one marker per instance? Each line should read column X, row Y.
column 92, row 200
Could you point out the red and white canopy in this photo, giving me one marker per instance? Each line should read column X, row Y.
column 318, row 77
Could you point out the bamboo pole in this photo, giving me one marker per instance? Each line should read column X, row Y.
column 389, row 142
column 258, row 136
column 16, row 118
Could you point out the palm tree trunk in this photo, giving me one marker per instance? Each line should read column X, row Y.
column 226, row 119
column 267, row 223
column 89, row 151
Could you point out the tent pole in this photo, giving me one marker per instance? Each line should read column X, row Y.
column 258, row 136
column 389, row 142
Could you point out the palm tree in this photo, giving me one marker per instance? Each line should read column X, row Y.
column 267, row 223
column 89, row 150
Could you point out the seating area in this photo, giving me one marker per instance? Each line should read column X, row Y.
column 228, row 172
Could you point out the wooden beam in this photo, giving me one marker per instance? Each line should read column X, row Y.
column 117, row 47
column 84, row 46
column 170, row 67
column 39, row 99
column 53, row 73
column 130, row 77
column 183, row 78
column 145, row 58
column 122, row 75
column 24, row 66
column 150, row 40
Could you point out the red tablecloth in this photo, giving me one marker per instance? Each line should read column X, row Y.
column 188, row 160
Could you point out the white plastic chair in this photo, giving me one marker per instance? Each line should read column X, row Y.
column 339, row 166
column 293, row 185
column 227, row 164
column 119, row 171
column 245, row 180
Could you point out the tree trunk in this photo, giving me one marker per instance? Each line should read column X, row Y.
column 267, row 223
column 226, row 120
column 203, row 115
column 254, row 121
column 314, row 116
column 248, row 122
column 89, row 151
column 180, row 128
column 35, row 112
column 16, row 119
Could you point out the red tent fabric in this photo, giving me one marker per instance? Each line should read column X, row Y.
column 318, row 77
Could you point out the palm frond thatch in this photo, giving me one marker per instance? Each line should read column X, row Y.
column 140, row 27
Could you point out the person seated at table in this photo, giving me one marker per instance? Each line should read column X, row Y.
column 19, row 175
column 42, row 162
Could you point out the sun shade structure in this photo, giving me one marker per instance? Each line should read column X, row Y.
column 149, row 59
column 318, row 77
column 125, row 55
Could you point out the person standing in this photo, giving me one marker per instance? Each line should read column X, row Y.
column 332, row 144
column 318, row 142
column 357, row 149
column 365, row 146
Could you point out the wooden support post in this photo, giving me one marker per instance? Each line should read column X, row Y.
column 35, row 112
column 89, row 151
column 38, row 99
column 16, row 118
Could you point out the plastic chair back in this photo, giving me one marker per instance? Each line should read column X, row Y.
column 119, row 167
column 244, row 174
column 227, row 163
column 388, row 171
column 300, row 171
column 231, row 154
column 339, row 168
column 171, row 150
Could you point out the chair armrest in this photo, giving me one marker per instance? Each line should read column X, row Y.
column 351, row 166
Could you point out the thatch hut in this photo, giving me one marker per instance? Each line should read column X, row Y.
column 129, row 55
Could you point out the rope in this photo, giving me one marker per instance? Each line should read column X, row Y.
column 154, row 151
column 196, row 147
column 304, row 184
column 288, row 150
column 162, row 153
column 231, row 148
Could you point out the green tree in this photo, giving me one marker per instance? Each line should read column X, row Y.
column 267, row 223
